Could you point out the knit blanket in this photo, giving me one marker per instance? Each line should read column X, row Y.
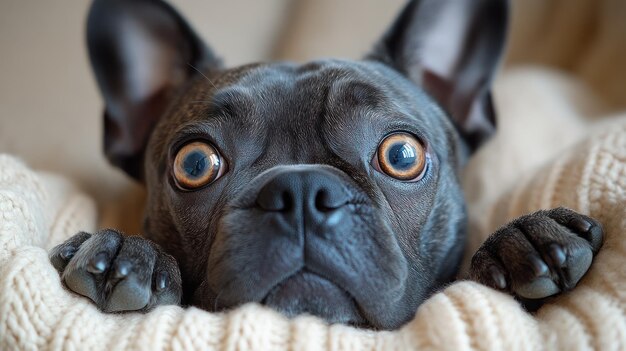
column 39, row 210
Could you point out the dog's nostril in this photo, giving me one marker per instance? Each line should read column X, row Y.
column 287, row 202
column 321, row 201
column 276, row 197
column 281, row 201
column 326, row 202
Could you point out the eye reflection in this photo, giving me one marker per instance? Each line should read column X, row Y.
column 401, row 156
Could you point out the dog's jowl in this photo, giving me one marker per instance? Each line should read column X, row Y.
column 329, row 188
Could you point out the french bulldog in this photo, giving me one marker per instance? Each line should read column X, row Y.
column 329, row 188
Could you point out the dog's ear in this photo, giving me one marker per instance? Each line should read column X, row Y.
column 141, row 51
column 451, row 48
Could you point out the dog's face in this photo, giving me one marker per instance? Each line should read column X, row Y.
column 328, row 188
column 325, row 188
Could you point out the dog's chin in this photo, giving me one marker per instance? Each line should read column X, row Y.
column 308, row 293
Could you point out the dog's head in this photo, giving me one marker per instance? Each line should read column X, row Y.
column 329, row 188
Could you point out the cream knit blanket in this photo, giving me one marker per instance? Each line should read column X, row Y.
column 39, row 210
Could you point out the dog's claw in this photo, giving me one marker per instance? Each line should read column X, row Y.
column 540, row 268
column 98, row 264
column 595, row 236
column 67, row 252
column 161, row 281
column 557, row 254
column 122, row 268
column 498, row 277
column 580, row 225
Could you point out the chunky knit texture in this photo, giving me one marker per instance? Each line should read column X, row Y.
column 39, row 210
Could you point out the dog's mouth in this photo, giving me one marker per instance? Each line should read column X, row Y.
column 308, row 293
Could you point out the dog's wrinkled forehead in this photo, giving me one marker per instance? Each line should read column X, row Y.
column 322, row 109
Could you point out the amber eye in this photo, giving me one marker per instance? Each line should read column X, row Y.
column 401, row 156
column 196, row 164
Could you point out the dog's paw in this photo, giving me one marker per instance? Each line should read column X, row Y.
column 118, row 273
column 538, row 255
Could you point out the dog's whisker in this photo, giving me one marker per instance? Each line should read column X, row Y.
column 217, row 297
column 202, row 74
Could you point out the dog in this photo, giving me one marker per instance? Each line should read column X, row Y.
column 329, row 188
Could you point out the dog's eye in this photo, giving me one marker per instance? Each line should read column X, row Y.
column 197, row 164
column 401, row 156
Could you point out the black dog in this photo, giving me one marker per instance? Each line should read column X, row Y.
column 328, row 188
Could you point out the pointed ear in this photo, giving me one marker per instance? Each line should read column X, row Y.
column 451, row 48
column 141, row 52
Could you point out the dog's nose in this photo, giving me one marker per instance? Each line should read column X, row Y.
column 312, row 193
